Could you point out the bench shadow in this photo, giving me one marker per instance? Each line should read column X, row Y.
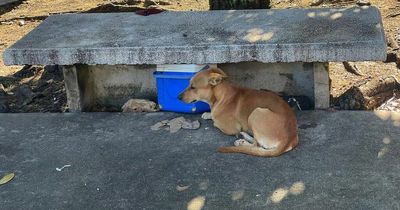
column 33, row 89
column 9, row 7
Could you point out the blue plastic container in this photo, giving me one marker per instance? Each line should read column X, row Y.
column 169, row 86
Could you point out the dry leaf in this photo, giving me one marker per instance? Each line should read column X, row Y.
column 180, row 189
column 196, row 203
column 7, row 178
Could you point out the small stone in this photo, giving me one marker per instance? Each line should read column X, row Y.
column 163, row 2
column 21, row 22
column 363, row 3
column 316, row 2
column 6, row 23
column 24, row 95
column 392, row 42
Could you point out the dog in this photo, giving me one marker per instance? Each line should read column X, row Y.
column 238, row 110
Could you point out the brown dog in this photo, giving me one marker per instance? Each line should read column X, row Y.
column 235, row 109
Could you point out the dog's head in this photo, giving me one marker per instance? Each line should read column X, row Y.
column 201, row 85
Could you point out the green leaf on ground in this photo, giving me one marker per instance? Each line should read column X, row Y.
column 7, row 178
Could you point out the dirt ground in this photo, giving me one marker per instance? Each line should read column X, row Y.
column 39, row 89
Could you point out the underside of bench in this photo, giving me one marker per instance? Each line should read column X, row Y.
column 108, row 87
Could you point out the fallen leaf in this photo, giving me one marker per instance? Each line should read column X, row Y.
column 196, row 203
column 279, row 194
column 180, row 188
column 7, row 178
column 191, row 125
column 297, row 188
column 382, row 152
column 157, row 126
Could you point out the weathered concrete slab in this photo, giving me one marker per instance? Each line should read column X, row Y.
column 307, row 35
column 345, row 160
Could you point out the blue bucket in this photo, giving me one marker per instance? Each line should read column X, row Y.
column 169, row 86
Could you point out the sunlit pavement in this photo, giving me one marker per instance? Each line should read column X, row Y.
column 345, row 160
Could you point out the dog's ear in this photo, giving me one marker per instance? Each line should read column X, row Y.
column 218, row 71
column 216, row 78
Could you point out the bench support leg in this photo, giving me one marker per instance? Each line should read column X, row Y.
column 321, row 85
column 72, row 89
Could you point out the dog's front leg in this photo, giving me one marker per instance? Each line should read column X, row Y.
column 247, row 137
column 206, row 116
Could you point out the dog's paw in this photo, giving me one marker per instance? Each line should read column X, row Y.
column 206, row 116
column 247, row 137
column 241, row 142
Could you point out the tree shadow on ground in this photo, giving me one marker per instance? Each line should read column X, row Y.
column 115, row 7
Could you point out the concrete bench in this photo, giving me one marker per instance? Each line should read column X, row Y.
column 109, row 58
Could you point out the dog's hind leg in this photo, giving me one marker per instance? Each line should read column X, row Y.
column 270, row 136
column 246, row 141
column 242, row 142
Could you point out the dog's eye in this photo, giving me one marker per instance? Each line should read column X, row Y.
column 191, row 87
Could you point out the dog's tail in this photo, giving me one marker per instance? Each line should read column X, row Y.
column 254, row 150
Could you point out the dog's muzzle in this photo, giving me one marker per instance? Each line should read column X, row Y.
column 180, row 97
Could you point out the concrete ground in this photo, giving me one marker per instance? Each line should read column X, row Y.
column 346, row 160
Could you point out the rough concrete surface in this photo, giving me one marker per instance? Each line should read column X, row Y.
column 345, row 160
column 289, row 35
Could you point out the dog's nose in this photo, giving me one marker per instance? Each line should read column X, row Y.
column 180, row 96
